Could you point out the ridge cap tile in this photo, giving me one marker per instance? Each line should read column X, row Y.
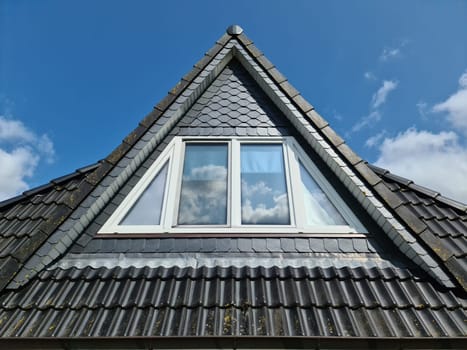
column 398, row 179
column 452, row 202
column 424, row 190
column 378, row 170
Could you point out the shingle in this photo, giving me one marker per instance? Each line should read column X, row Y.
column 166, row 244
column 123, row 245
column 259, row 245
column 331, row 245
column 345, row 245
column 108, row 246
column 223, row 245
column 302, row 245
column 317, row 245
column 274, row 245
column 245, row 245
column 180, row 245
column 288, row 245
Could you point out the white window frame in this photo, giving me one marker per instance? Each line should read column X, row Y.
column 174, row 154
column 178, row 185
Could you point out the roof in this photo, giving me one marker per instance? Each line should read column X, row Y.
column 445, row 220
column 254, row 301
column 27, row 220
column 406, row 278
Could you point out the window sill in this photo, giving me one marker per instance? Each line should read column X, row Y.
column 233, row 235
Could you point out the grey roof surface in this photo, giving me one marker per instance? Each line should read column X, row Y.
column 233, row 105
column 232, row 244
column 445, row 219
column 231, row 301
column 26, row 220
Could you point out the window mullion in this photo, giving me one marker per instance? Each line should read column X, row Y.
column 236, row 185
column 174, row 186
column 296, row 189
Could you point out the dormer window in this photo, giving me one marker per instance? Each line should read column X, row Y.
column 233, row 185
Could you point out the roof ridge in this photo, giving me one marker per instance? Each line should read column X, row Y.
column 54, row 182
column 419, row 188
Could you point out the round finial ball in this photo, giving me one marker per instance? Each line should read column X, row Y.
column 234, row 30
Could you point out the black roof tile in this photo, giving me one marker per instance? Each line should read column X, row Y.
column 445, row 220
column 26, row 220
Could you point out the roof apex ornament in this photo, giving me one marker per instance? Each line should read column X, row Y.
column 234, row 29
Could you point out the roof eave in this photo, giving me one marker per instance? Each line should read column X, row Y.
column 235, row 342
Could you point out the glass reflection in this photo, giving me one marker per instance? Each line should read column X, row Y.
column 203, row 197
column 319, row 209
column 264, row 190
column 148, row 208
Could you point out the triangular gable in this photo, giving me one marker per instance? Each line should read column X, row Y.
column 125, row 160
column 233, row 107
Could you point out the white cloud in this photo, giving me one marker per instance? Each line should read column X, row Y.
column 381, row 95
column 207, row 172
column 20, row 153
column 262, row 204
column 378, row 99
column 373, row 117
column 422, row 108
column 369, row 76
column 463, row 80
column 45, row 146
column 257, row 189
column 375, row 139
column 456, row 106
column 204, row 196
column 15, row 167
column 14, row 130
column 389, row 53
column 276, row 215
column 435, row 160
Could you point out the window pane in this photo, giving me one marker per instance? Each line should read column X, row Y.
column 147, row 209
column 264, row 190
column 203, row 197
column 318, row 207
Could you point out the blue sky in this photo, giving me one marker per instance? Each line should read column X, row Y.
column 77, row 76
